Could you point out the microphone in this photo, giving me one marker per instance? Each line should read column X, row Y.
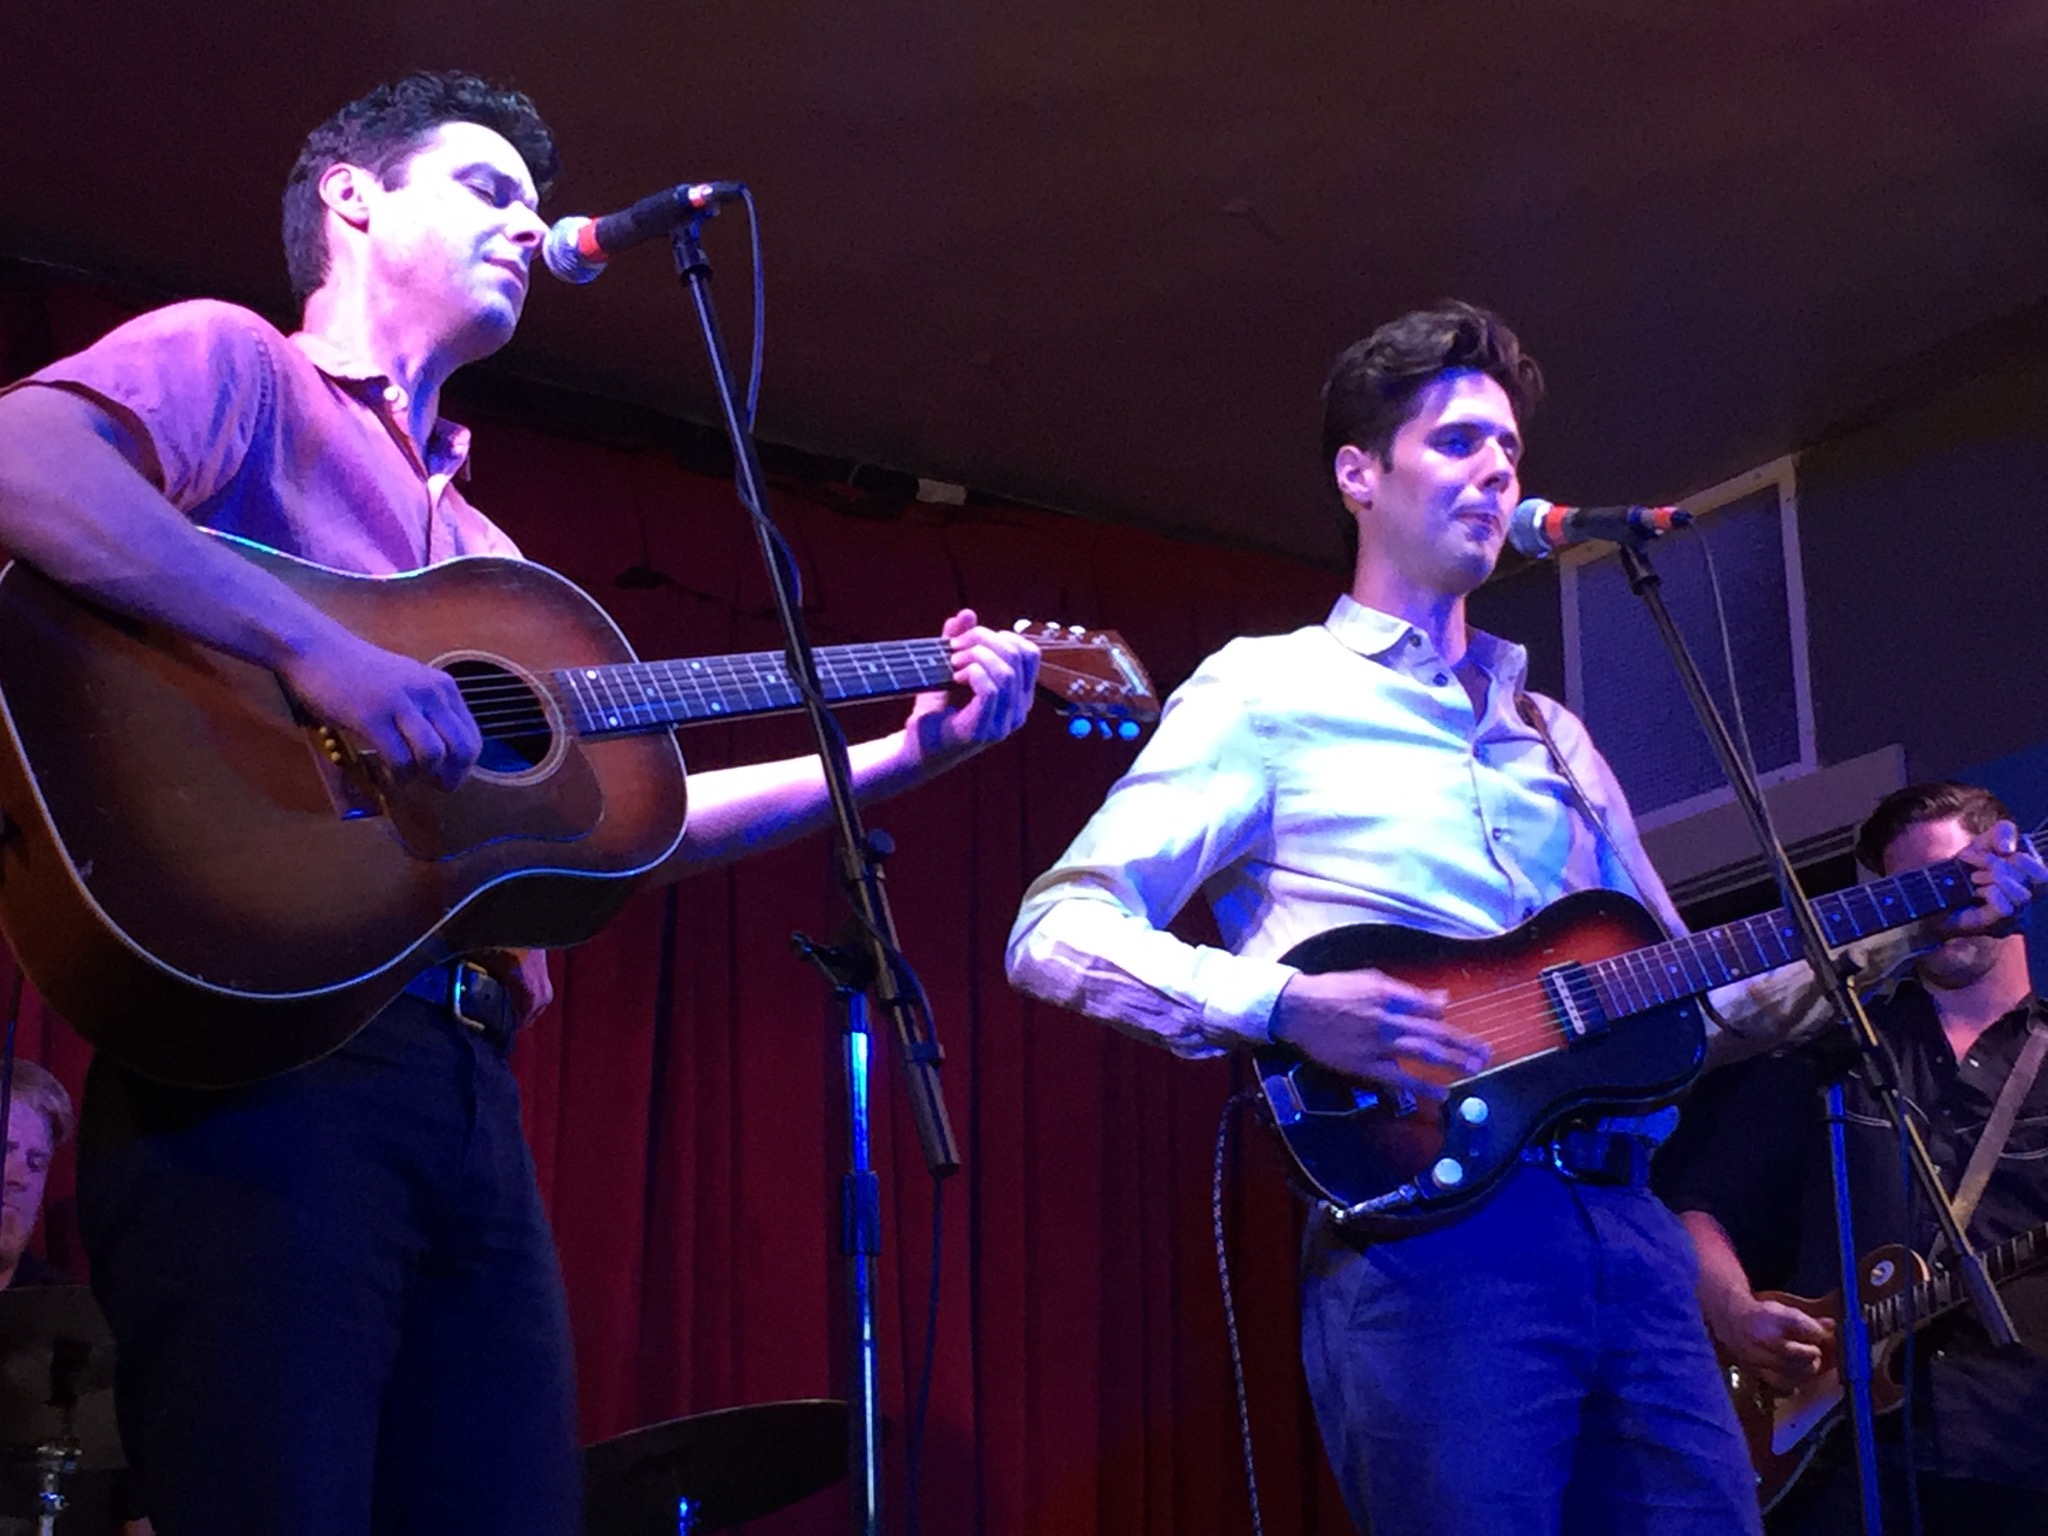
column 1539, row 528
column 577, row 248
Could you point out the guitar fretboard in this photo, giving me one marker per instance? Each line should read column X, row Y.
column 1944, row 1291
column 652, row 695
column 1684, row 967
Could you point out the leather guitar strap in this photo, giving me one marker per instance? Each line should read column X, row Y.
column 1991, row 1142
column 1527, row 708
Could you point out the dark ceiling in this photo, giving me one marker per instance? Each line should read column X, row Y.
column 1095, row 254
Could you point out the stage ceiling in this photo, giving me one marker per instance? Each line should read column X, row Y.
column 1095, row 254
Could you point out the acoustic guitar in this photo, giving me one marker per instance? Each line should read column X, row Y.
column 213, row 889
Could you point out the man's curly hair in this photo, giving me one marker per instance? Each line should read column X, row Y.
column 381, row 130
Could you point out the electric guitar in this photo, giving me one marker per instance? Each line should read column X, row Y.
column 1584, row 1013
column 212, row 889
column 1785, row 1429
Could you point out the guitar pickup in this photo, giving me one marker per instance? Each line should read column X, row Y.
column 1573, row 1001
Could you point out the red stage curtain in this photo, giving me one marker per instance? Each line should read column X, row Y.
column 683, row 1097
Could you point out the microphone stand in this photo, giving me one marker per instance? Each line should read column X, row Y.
column 1872, row 1059
column 874, row 962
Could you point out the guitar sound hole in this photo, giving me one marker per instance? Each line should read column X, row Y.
column 510, row 714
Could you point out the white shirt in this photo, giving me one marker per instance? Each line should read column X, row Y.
column 1304, row 781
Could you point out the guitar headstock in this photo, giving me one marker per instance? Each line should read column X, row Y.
column 1100, row 683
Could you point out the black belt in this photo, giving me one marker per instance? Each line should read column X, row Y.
column 472, row 996
column 1594, row 1154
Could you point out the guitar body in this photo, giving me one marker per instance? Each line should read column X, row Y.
column 1785, row 1429
column 1387, row 1166
column 166, row 805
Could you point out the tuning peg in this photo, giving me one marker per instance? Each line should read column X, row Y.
column 1128, row 730
column 1077, row 726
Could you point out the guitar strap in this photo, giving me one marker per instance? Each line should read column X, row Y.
column 1634, row 864
column 1998, row 1129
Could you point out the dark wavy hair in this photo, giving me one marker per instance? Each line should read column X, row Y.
column 1370, row 391
column 1978, row 810
column 380, row 131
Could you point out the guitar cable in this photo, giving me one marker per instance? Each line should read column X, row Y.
column 1242, row 1097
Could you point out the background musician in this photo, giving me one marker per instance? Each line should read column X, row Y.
column 1750, row 1174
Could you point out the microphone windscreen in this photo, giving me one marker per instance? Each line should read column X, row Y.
column 564, row 257
column 1525, row 528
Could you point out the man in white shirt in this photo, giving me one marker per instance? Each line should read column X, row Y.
column 1539, row 1365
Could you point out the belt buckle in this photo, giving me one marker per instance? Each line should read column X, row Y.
column 1557, row 1160
column 463, row 977
column 1600, row 1168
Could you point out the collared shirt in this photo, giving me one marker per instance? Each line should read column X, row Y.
column 283, row 441
column 1752, row 1152
column 1335, row 775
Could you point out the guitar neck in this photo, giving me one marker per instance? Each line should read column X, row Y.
column 1918, row 1305
column 634, row 697
column 1684, row 967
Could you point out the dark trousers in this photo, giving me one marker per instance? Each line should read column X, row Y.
column 1538, row 1367
column 1824, row 1502
column 335, row 1297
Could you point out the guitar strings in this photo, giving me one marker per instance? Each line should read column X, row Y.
column 505, row 704
column 1505, row 1012
column 508, row 700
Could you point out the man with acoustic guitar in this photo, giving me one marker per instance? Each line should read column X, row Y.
column 1750, row 1173
column 1539, row 1364
column 335, row 1295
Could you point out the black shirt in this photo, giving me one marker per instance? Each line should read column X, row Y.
column 34, row 1269
column 1751, row 1151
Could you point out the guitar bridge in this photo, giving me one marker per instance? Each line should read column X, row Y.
column 344, row 774
column 1282, row 1098
column 1573, row 1000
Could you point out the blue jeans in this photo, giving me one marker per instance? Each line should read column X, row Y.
column 335, row 1297
column 1538, row 1368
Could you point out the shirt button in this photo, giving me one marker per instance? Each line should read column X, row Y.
column 394, row 394
column 1414, row 639
column 1441, row 678
column 1500, row 834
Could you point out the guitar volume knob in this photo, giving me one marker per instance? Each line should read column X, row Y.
column 1447, row 1173
column 1474, row 1110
